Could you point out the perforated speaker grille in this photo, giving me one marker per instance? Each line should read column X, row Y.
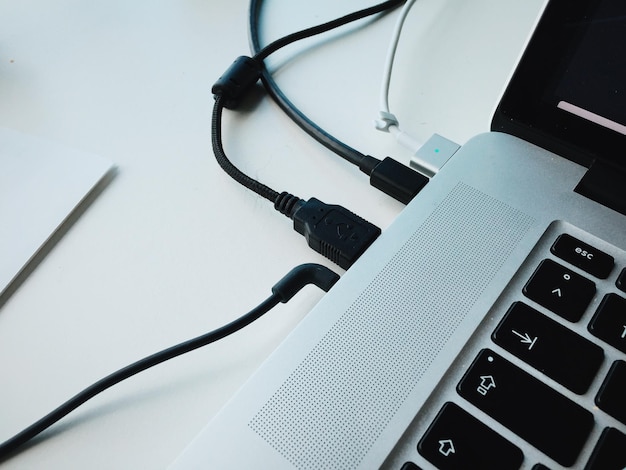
column 334, row 406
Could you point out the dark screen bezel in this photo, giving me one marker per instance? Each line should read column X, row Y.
column 523, row 110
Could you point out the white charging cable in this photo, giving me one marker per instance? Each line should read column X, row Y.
column 430, row 156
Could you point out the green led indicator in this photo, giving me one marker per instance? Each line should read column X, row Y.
column 436, row 150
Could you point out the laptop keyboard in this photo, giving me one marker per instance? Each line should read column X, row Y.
column 553, row 372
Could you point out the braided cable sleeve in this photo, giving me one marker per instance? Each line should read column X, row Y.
column 218, row 149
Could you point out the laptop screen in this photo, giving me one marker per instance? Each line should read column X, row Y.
column 568, row 93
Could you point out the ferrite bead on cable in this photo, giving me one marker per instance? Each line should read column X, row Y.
column 243, row 73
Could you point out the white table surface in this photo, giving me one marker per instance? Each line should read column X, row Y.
column 172, row 247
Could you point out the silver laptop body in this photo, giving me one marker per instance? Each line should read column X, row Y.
column 365, row 379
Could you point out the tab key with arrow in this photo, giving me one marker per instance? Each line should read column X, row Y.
column 553, row 349
column 526, row 339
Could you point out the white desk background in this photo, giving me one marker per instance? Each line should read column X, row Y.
column 172, row 247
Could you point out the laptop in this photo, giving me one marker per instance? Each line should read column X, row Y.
column 486, row 327
column 42, row 183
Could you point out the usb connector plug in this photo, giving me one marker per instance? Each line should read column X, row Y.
column 331, row 230
column 393, row 178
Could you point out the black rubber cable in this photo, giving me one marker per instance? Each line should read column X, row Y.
column 323, row 137
column 282, row 292
column 252, row 69
column 322, row 28
column 31, row 431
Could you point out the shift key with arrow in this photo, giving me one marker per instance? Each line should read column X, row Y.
column 528, row 407
column 548, row 346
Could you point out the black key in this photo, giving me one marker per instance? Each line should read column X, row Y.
column 609, row 453
column 457, row 440
column 560, row 290
column 548, row 346
column 410, row 466
column 537, row 413
column 621, row 281
column 539, row 466
column 584, row 256
column 609, row 321
column 612, row 394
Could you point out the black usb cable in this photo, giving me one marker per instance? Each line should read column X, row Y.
column 282, row 292
column 331, row 230
column 389, row 176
